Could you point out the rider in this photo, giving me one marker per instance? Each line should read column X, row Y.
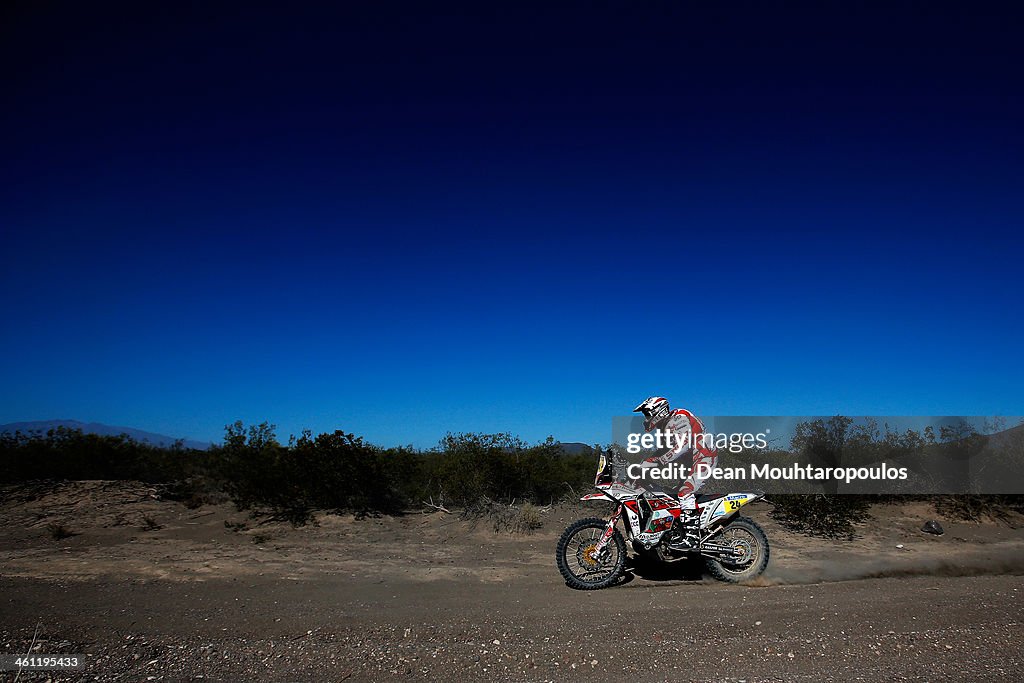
column 686, row 447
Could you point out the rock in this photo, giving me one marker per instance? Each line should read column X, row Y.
column 933, row 527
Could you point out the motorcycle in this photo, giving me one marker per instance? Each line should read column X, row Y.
column 591, row 552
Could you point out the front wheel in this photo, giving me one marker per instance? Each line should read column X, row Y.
column 750, row 544
column 580, row 564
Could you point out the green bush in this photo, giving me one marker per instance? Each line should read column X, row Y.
column 973, row 507
column 497, row 476
column 332, row 471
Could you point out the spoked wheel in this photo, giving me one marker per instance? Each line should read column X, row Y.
column 579, row 562
column 749, row 544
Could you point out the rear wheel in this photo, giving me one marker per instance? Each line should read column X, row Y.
column 749, row 543
column 579, row 562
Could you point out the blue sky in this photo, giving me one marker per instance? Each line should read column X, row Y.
column 509, row 219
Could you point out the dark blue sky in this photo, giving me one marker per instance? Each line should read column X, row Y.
column 405, row 219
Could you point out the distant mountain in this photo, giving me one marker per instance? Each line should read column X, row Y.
column 1008, row 436
column 575, row 448
column 44, row 426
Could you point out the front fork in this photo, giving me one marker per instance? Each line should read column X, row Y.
column 609, row 530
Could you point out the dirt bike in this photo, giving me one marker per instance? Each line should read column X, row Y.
column 592, row 552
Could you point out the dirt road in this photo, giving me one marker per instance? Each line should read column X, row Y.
column 432, row 598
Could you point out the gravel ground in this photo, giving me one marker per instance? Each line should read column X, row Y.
column 183, row 596
column 920, row 628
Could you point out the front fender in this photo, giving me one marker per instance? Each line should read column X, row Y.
column 596, row 496
column 723, row 509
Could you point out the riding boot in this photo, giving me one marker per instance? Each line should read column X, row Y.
column 686, row 530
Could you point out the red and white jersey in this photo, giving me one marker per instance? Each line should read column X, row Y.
column 687, row 437
column 691, row 447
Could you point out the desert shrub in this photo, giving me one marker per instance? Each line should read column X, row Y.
column 150, row 524
column 64, row 453
column 58, row 531
column 249, row 465
column 830, row 516
column 334, row 471
column 468, row 468
column 972, row 507
column 502, row 518
column 528, row 518
column 195, row 498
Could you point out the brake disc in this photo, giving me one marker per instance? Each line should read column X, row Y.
column 587, row 556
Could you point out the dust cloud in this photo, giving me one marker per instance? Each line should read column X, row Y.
column 993, row 562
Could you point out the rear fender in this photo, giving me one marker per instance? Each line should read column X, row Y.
column 596, row 496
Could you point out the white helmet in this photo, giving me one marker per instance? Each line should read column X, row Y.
column 655, row 410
